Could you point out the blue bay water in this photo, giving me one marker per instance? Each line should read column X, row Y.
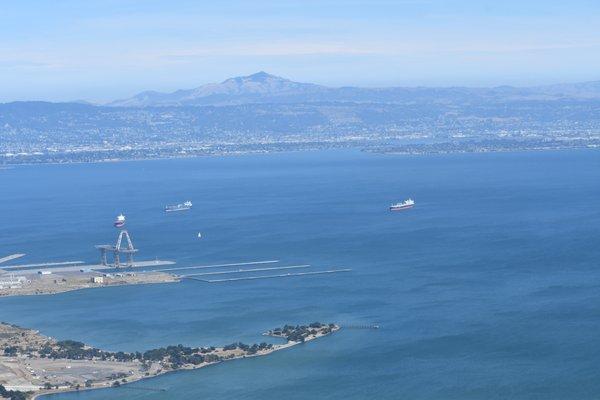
column 488, row 288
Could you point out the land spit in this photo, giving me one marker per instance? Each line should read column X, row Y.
column 36, row 364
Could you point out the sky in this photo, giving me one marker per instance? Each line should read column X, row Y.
column 61, row 50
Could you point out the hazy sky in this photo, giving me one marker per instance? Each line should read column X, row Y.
column 99, row 50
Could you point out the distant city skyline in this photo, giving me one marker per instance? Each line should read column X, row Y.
column 105, row 50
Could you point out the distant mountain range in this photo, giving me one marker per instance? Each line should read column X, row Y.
column 262, row 112
column 266, row 88
column 260, row 87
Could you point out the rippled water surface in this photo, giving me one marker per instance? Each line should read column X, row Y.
column 488, row 288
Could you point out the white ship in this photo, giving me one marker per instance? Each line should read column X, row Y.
column 120, row 221
column 179, row 207
column 406, row 204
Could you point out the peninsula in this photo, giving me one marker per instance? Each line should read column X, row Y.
column 32, row 364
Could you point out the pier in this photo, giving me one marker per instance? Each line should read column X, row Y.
column 239, row 271
column 67, row 268
column 11, row 257
column 288, row 275
column 59, row 276
column 42, row 265
column 359, row 326
column 229, row 269
column 218, row 265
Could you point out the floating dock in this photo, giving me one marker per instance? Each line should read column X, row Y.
column 240, row 271
column 359, row 326
column 218, row 265
column 11, row 257
column 289, row 274
column 42, row 265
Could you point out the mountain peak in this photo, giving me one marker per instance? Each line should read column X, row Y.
column 262, row 75
column 258, row 77
column 258, row 87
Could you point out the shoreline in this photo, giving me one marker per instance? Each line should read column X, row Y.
column 41, row 394
column 7, row 166
column 48, row 366
column 181, row 156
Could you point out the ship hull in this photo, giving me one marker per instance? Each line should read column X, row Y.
column 401, row 208
column 178, row 209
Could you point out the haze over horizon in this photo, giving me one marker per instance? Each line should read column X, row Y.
column 106, row 50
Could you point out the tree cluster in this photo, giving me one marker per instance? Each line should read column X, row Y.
column 12, row 394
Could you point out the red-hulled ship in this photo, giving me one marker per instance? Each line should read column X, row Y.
column 120, row 221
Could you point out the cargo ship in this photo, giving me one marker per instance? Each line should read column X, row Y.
column 120, row 221
column 179, row 207
column 405, row 205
